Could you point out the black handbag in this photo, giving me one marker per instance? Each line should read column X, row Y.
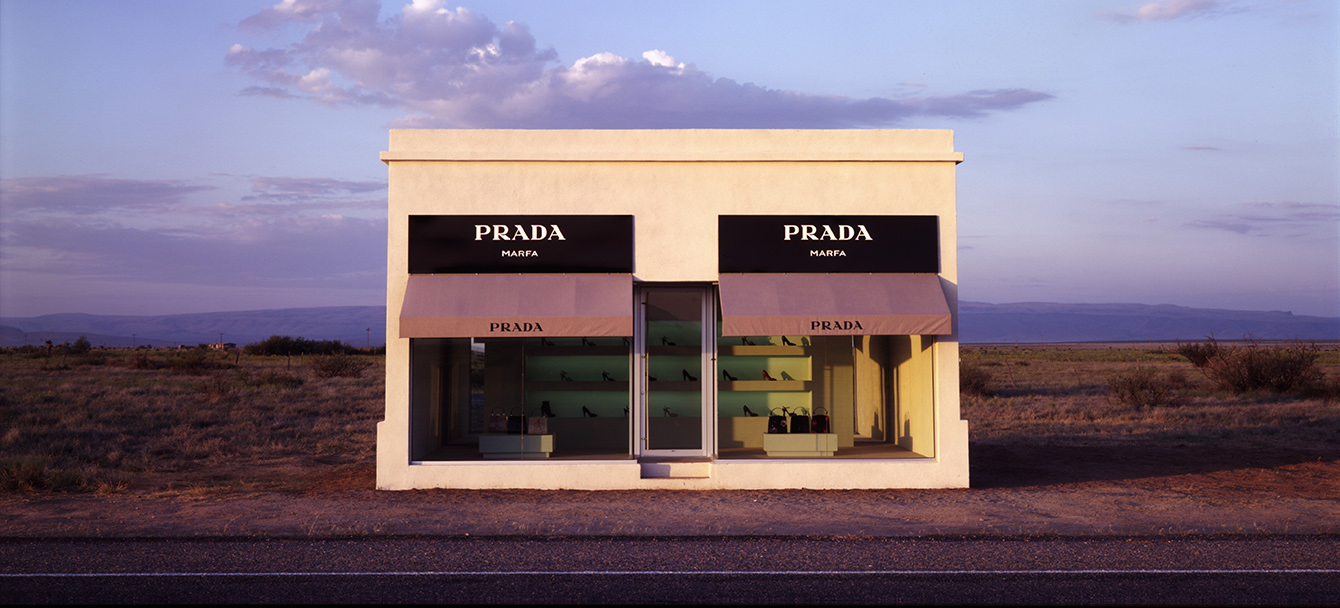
column 800, row 422
column 819, row 423
column 776, row 422
column 516, row 422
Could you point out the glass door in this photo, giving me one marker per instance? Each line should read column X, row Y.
column 678, row 338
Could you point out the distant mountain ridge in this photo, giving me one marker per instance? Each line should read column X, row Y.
column 356, row 325
column 1049, row 322
column 979, row 322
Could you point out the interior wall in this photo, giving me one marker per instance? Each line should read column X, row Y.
column 427, row 362
column 872, row 402
column 914, row 415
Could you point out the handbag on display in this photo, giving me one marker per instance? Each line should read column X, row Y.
column 537, row 423
column 800, row 421
column 497, row 421
column 776, row 421
column 516, row 422
column 819, row 423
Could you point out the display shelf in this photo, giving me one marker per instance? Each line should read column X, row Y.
column 676, row 385
column 692, row 350
column 495, row 446
column 764, row 350
column 800, row 445
column 535, row 350
column 578, row 385
column 764, row 385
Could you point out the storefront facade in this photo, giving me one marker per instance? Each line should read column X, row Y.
column 692, row 309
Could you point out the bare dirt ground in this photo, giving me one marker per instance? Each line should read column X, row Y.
column 1108, row 490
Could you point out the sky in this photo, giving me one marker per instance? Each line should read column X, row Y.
column 180, row 156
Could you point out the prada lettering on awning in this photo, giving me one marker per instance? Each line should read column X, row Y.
column 833, row 304
column 501, row 306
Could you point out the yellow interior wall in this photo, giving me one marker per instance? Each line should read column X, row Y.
column 914, row 414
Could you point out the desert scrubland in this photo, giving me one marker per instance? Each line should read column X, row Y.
column 194, row 421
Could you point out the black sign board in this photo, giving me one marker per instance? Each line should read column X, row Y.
column 520, row 243
column 828, row 243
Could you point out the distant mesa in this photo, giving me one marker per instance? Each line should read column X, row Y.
column 1035, row 322
column 354, row 325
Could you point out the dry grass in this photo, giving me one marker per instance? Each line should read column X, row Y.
column 181, row 421
column 1062, row 395
column 197, row 422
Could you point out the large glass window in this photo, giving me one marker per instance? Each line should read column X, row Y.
column 474, row 398
column 872, row 395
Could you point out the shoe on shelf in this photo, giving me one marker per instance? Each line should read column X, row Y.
column 766, row 376
column 587, row 413
column 689, row 377
column 728, row 376
column 749, row 413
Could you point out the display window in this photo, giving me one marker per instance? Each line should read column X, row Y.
column 819, row 396
column 519, row 398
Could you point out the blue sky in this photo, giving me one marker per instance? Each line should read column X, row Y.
column 175, row 156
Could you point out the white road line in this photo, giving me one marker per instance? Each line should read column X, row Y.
column 676, row 573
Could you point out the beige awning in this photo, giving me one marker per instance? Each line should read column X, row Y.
column 510, row 305
column 833, row 305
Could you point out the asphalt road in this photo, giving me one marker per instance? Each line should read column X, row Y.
column 1237, row 569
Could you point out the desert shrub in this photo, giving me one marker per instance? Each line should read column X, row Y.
column 1199, row 353
column 276, row 379
column 340, row 365
column 974, row 379
column 36, row 474
column 1254, row 366
column 1142, row 386
column 193, row 361
column 80, row 346
column 287, row 346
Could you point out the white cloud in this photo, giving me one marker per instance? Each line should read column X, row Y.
column 1165, row 10
column 455, row 68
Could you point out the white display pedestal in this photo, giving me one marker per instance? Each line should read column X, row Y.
column 516, row 446
column 811, row 445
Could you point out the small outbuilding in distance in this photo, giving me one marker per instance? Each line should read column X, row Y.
column 672, row 309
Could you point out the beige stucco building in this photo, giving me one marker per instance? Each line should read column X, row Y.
column 672, row 309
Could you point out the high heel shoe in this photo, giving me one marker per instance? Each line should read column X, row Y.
column 749, row 413
column 688, row 377
column 625, row 412
column 786, row 342
column 562, row 375
column 545, row 411
column 651, row 378
column 786, row 376
column 670, row 414
column 606, row 375
column 727, row 375
column 586, row 342
column 745, row 341
column 625, row 341
column 766, row 376
column 588, row 413
column 665, row 342
column 545, row 341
